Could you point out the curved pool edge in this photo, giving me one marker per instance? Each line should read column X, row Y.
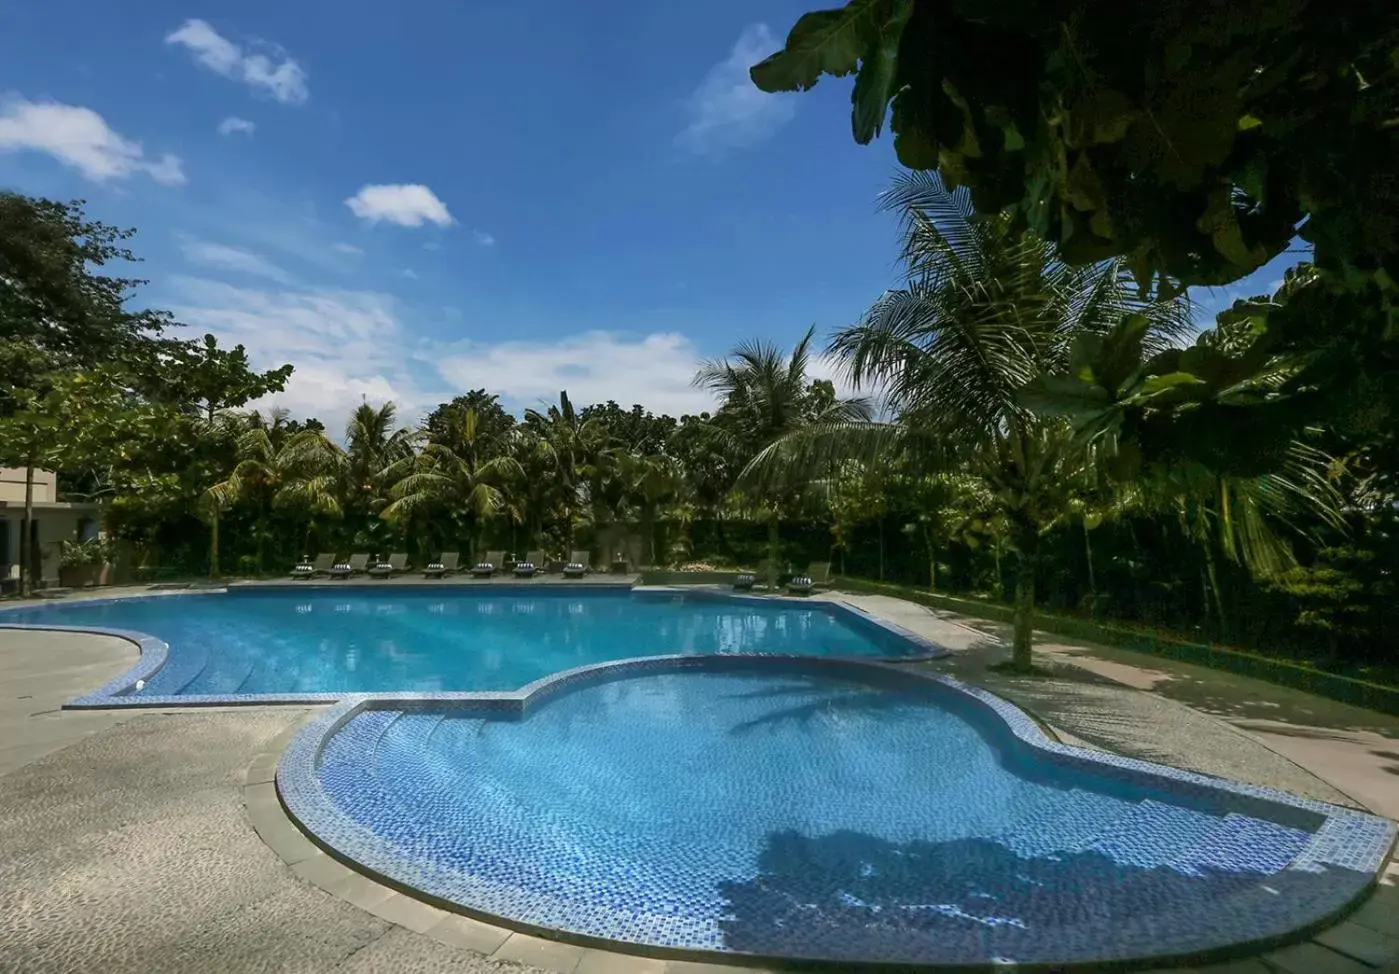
column 117, row 692
column 1348, row 839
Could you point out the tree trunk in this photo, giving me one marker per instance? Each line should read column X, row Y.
column 881, row 547
column 1023, row 621
column 1092, row 581
column 26, row 580
column 932, row 559
column 1211, row 574
column 261, row 529
column 214, row 544
column 774, row 543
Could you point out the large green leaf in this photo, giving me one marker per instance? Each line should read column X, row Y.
column 823, row 42
column 874, row 85
column 1061, row 395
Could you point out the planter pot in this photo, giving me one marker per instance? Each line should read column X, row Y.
column 82, row 576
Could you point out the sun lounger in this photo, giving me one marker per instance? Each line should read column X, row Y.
column 446, row 565
column 818, row 575
column 311, row 569
column 489, row 565
column 577, row 565
column 396, row 565
column 532, row 565
column 348, row 569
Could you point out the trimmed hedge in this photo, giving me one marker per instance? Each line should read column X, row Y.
column 1333, row 686
column 660, row 576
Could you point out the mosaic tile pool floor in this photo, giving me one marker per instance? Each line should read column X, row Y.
column 796, row 815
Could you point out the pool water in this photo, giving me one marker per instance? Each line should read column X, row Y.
column 318, row 640
column 797, row 816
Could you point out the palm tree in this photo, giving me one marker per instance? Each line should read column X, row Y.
column 764, row 396
column 983, row 311
column 649, row 480
column 452, row 481
column 303, row 472
column 576, row 447
column 373, row 446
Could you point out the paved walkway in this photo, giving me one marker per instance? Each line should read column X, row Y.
column 125, row 841
column 1178, row 713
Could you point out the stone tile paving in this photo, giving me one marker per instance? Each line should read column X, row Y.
column 130, row 851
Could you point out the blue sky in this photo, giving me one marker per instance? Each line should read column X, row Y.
column 412, row 201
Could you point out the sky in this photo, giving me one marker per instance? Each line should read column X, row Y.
column 409, row 202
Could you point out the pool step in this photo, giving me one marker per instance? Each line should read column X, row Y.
column 1238, row 843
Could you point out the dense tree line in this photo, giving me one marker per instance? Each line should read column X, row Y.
column 964, row 469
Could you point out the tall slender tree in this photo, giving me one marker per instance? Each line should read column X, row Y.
column 764, row 396
column 984, row 310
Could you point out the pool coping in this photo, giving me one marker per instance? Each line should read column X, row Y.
column 1346, row 838
column 116, row 694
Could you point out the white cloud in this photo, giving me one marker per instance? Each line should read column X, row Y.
column 654, row 370
column 344, row 344
column 80, row 138
column 483, row 238
column 226, row 258
column 274, row 73
column 727, row 111
column 348, row 344
column 408, row 274
column 233, row 124
column 408, row 205
column 346, row 248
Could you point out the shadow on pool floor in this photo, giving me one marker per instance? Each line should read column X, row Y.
column 856, row 897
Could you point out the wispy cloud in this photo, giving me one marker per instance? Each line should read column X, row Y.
column 222, row 257
column 234, row 125
column 483, row 238
column 727, row 111
column 273, row 73
column 344, row 344
column 82, row 139
column 346, row 248
column 408, row 274
column 657, row 370
column 406, row 204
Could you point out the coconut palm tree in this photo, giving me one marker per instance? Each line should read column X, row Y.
column 373, row 446
column 304, row 472
column 649, row 481
column 440, row 479
column 764, row 396
column 984, row 310
column 577, row 448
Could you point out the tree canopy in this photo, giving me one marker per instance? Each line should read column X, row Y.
column 1191, row 138
column 1194, row 140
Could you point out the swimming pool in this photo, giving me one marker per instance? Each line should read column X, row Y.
column 827, row 810
column 314, row 643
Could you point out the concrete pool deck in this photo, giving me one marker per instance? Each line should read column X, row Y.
column 125, row 838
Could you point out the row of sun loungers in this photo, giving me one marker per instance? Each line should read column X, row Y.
column 326, row 566
column 817, row 576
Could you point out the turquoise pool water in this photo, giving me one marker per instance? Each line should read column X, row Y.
column 775, row 810
column 365, row 639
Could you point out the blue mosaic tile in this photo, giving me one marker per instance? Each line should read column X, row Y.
column 1081, row 857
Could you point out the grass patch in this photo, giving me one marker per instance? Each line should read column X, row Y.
column 1374, row 695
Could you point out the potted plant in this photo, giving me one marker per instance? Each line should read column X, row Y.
column 83, row 564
